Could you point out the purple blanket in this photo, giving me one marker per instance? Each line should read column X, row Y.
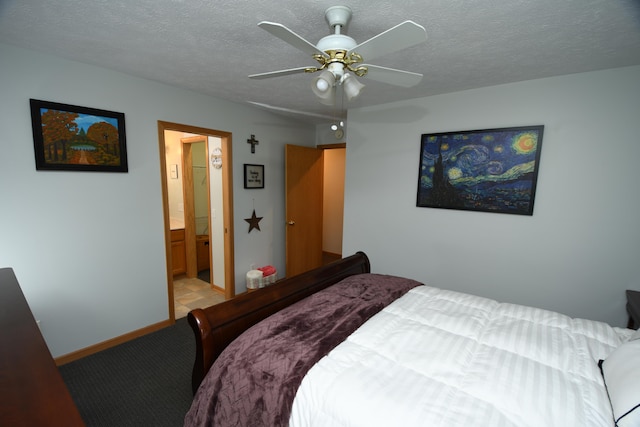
column 255, row 379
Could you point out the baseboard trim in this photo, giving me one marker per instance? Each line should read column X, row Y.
column 84, row 352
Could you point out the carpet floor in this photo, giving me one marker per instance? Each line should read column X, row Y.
column 143, row 382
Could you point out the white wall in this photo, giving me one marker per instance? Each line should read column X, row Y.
column 324, row 135
column 581, row 248
column 87, row 247
column 216, row 234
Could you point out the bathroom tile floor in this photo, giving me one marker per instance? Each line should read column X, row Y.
column 190, row 293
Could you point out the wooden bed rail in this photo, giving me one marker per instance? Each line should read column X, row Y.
column 215, row 327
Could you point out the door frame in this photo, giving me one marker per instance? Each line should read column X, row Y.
column 227, row 201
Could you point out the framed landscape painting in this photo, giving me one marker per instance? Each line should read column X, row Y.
column 73, row 138
column 492, row 170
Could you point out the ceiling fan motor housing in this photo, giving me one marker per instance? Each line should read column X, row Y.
column 336, row 42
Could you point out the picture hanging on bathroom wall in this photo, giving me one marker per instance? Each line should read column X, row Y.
column 72, row 138
column 492, row 170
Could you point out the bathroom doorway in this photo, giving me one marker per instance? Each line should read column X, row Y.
column 198, row 208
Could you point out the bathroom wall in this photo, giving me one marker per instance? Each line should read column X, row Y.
column 173, row 153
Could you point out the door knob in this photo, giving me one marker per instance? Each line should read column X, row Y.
column 291, row 222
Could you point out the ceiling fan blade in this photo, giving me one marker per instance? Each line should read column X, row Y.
column 290, row 37
column 392, row 76
column 288, row 110
column 400, row 37
column 279, row 73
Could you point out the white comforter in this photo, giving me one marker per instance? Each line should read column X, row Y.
column 442, row 358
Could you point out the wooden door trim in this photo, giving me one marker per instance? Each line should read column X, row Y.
column 227, row 209
column 330, row 146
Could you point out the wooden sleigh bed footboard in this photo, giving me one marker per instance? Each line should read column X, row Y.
column 215, row 327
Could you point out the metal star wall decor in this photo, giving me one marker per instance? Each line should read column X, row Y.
column 254, row 221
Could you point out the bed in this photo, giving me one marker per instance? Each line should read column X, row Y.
column 340, row 346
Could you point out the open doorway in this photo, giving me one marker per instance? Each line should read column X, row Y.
column 314, row 203
column 198, row 229
column 333, row 201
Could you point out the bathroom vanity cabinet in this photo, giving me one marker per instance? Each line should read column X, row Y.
column 178, row 252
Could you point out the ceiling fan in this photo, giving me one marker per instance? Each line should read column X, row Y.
column 341, row 59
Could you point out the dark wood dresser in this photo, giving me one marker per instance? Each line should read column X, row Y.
column 32, row 392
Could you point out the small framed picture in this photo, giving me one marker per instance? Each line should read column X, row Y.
column 72, row 138
column 253, row 176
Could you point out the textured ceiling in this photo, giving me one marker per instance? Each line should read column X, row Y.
column 211, row 46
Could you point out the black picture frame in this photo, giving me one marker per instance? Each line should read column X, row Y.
column 253, row 176
column 73, row 138
column 490, row 170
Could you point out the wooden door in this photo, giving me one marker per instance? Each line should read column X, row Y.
column 189, row 209
column 303, row 197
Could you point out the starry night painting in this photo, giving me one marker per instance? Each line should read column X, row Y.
column 493, row 170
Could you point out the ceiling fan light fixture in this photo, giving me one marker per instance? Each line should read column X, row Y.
column 324, row 88
column 323, row 83
column 351, row 85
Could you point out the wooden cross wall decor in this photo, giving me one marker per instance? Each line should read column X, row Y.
column 253, row 141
